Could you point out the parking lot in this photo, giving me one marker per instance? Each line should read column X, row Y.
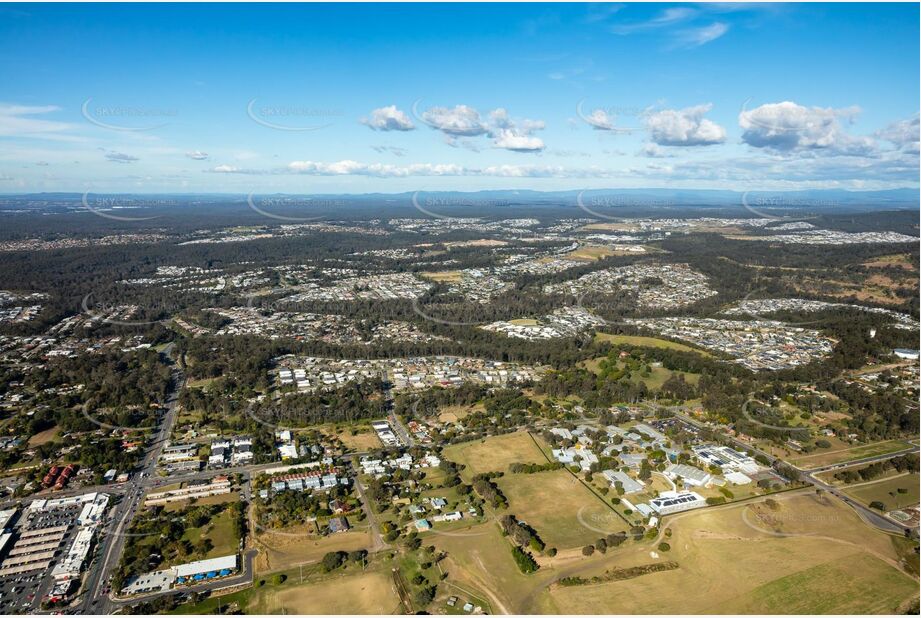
column 40, row 541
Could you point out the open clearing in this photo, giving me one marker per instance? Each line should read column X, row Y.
column 654, row 380
column 452, row 414
column 829, row 457
column 524, row 322
column 219, row 531
column 445, row 276
column 649, row 342
column 362, row 593
column 553, row 503
column 206, row 500
column 834, row 563
column 365, row 440
column 590, row 253
column 886, row 491
column 295, row 546
column 494, row 454
column 43, row 437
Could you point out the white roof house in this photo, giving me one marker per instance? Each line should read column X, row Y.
column 206, row 566
column 630, row 485
column 737, row 478
column 674, row 502
column 561, row 432
column 689, row 474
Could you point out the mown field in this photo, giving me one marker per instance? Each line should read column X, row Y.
column 494, row 454
column 851, row 453
column 349, row 590
column 562, row 510
column 362, row 593
column 810, row 555
column 887, row 492
column 649, row 342
column 292, row 547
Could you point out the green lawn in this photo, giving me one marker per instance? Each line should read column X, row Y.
column 829, row 457
column 648, row 342
column 220, row 532
column 886, row 491
column 856, row 584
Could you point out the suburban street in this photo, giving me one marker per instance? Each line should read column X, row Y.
column 870, row 516
column 112, row 543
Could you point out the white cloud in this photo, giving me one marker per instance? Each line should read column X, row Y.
column 788, row 127
column 459, row 120
column 120, row 157
column 903, row 134
column 685, row 127
column 355, row 168
column 226, row 169
column 654, row 151
column 599, row 120
column 506, row 133
column 695, row 37
column 509, row 139
column 197, row 155
column 388, row 119
column 394, row 150
column 18, row 121
column 667, row 17
column 349, row 167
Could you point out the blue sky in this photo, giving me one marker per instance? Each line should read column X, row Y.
column 360, row 98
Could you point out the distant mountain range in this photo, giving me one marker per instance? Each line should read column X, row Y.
column 683, row 197
column 596, row 203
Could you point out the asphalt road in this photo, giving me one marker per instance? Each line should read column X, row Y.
column 245, row 576
column 870, row 516
column 113, row 542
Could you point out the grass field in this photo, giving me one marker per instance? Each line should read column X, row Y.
column 220, row 532
column 494, row 454
column 293, row 547
column 345, row 591
column 482, row 562
column 886, row 491
column 656, row 378
column 555, row 504
column 360, row 593
column 218, row 499
column 524, row 322
column 868, row 583
column 590, row 253
column 452, row 414
column 850, row 453
column 445, row 276
column 726, row 565
column 365, row 440
column 649, row 342
column 43, row 437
